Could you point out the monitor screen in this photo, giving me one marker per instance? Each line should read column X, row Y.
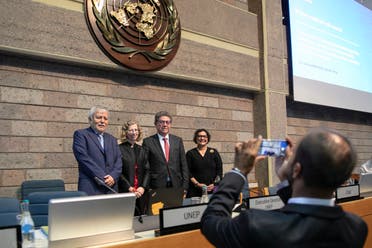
column 90, row 220
column 164, row 198
column 10, row 236
column 330, row 52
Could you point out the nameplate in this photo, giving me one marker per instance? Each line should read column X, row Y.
column 180, row 219
column 266, row 202
column 346, row 192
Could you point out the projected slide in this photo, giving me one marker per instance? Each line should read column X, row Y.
column 331, row 44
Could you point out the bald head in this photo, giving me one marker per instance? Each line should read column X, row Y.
column 327, row 158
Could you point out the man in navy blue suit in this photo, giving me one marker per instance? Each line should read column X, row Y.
column 97, row 154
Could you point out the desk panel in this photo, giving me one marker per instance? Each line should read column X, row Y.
column 187, row 239
column 363, row 208
column 194, row 238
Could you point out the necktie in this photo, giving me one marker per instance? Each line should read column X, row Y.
column 166, row 149
column 100, row 138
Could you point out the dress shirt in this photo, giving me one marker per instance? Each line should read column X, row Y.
column 312, row 201
column 162, row 142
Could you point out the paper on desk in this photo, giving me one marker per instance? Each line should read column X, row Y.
column 156, row 207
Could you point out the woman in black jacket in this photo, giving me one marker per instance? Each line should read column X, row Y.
column 135, row 172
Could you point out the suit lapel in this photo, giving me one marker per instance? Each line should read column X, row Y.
column 105, row 143
column 158, row 146
column 95, row 140
column 172, row 146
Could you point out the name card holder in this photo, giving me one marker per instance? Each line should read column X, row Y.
column 271, row 202
column 347, row 193
column 180, row 219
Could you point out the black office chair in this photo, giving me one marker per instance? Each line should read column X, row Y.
column 39, row 202
column 9, row 209
column 30, row 186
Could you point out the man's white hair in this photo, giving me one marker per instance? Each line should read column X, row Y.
column 94, row 109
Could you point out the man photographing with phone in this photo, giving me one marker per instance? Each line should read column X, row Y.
column 322, row 161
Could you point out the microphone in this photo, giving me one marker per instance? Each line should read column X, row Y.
column 102, row 183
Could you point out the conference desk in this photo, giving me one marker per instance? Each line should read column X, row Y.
column 362, row 207
column 187, row 239
column 194, row 238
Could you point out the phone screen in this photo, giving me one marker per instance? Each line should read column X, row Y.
column 275, row 148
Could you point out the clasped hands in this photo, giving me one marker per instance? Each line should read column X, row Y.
column 109, row 180
column 138, row 192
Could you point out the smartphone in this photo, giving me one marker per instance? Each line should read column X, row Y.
column 273, row 147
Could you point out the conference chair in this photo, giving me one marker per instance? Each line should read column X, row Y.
column 39, row 204
column 30, row 186
column 9, row 209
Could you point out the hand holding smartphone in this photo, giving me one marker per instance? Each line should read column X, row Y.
column 273, row 147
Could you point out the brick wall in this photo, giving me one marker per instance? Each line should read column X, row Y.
column 52, row 72
column 43, row 103
column 356, row 126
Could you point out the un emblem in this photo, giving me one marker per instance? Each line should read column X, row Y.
column 138, row 34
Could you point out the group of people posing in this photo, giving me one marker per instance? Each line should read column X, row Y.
column 309, row 173
column 125, row 166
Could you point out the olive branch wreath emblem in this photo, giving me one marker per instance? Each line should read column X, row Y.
column 165, row 46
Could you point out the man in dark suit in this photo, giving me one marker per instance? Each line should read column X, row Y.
column 97, row 154
column 168, row 168
column 323, row 160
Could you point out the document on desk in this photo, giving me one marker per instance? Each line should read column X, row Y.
column 41, row 239
column 44, row 230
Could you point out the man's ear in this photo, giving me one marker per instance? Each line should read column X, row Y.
column 296, row 172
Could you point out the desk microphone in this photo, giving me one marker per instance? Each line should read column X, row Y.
column 102, row 183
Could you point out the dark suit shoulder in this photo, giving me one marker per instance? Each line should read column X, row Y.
column 84, row 130
column 107, row 135
column 174, row 137
column 147, row 139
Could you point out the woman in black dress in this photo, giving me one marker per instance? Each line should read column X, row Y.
column 205, row 164
column 135, row 172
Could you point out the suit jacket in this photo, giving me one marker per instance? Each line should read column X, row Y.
column 93, row 161
column 130, row 156
column 177, row 164
column 295, row 225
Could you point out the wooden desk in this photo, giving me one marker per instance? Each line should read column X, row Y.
column 187, row 239
column 363, row 208
column 194, row 238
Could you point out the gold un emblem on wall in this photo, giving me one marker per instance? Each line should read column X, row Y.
column 138, row 34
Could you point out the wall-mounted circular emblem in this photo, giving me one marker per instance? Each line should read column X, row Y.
column 139, row 34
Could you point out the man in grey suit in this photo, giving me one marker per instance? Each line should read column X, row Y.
column 322, row 161
column 166, row 155
column 97, row 154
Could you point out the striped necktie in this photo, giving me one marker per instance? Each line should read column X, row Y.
column 100, row 138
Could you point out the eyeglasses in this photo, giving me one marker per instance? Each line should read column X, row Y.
column 132, row 131
column 164, row 122
column 202, row 136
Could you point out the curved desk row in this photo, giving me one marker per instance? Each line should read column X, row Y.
column 194, row 238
